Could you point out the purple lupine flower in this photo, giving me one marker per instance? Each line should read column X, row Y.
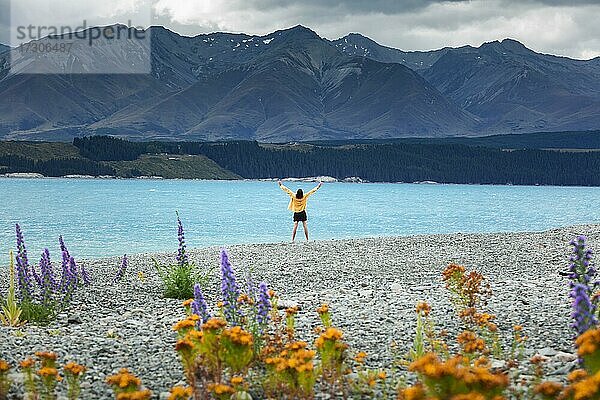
column 583, row 309
column 63, row 247
column 121, row 272
column 85, row 276
column 229, row 289
column 23, row 274
column 182, row 258
column 264, row 305
column 65, row 261
column 250, row 286
column 65, row 271
column 36, row 276
column 199, row 306
column 583, row 285
column 70, row 280
column 48, row 283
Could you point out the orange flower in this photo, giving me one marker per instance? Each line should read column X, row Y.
column 423, row 308
column 4, row 366
column 245, row 299
column 238, row 336
column 453, row 270
column 220, row 389
column 27, row 363
column 187, row 303
column 577, row 375
column 482, row 362
column 323, row 309
column 237, row 380
column 184, row 345
column 124, row 379
column 46, row 355
column 331, row 334
column 74, row 368
column 291, row 311
column 360, row 357
column 47, row 372
column 538, row 359
column 416, row 392
column 588, row 342
column 180, row 393
column 549, row 389
column 470, row 342
column 184, row 324
column 214, row 324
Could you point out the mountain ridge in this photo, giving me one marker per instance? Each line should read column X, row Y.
column 292, row 85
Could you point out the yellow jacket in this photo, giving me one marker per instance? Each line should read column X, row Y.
column 297, row 205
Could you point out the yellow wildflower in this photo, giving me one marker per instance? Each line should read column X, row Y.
column 124, row 379
column 423, row 308
column 291, row 311
column 74, row 368
column 27, row 363
column 577, row 375
column 180, row 393
column 237, row 380
column 220, row 389
column 4, row 366
column 47, row 372
column 360, row 357
column 323, row 309
column 184, row 345
column 588, row 342
column 184, row 324
column 549, row 389
column 238, row 336
column 137, row 395
column 416, row 392
column 46, row 355
column 214, row 324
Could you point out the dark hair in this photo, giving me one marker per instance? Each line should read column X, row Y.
column 299, row 194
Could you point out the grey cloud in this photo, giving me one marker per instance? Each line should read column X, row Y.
column 341, row 6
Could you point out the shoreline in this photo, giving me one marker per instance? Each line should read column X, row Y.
column 301, row 242
column 350, row 180
column 372, row 286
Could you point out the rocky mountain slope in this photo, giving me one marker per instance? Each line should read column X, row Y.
column 292, row 85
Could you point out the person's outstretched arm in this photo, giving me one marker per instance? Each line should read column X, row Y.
column 315, row 189
column 285, row 189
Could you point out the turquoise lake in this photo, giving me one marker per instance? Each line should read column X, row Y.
column 101, row 218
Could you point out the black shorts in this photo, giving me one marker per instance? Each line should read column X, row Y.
column 300, row 216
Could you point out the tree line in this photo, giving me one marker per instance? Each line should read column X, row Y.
column 53, row 167
column 384, row 162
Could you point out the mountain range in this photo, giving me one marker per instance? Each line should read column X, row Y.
column 293, row 85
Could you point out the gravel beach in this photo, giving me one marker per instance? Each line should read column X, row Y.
column 372, row 286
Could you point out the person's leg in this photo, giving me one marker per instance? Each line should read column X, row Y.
column 294, row 230
column 305, row 229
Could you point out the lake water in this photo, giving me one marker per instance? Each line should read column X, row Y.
column 111, row 217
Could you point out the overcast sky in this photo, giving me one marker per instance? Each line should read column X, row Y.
column 559, row 27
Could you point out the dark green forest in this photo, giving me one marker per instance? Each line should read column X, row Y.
column 380, row 162
column 505, row 159
column 54, row 167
